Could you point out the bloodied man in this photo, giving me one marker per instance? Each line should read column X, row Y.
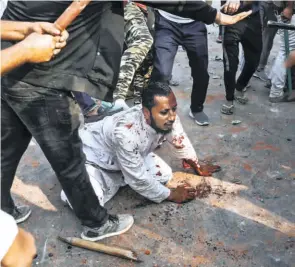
column 120, row 149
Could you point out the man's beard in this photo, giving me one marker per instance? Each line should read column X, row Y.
column 157, row 129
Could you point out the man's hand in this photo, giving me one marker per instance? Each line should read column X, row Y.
column 223, row 19
column 42, row 47
column 290, row 60
column 207, row 170
column 287, row 13
column 202, row 170
column 231, row 6
column 43, row 28
column 182, row 193
column 21, row 252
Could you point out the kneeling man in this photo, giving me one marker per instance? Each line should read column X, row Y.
column 119, row 149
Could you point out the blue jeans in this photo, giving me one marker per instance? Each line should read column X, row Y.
column 85, row 102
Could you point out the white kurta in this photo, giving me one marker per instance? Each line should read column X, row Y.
column 120, row 150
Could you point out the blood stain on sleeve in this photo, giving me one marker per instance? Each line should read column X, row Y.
column 129, row 125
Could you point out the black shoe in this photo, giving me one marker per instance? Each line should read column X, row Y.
column 21, row 213
column 115, row 225
column 200, row 118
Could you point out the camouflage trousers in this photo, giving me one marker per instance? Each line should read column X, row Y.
column 139, row 42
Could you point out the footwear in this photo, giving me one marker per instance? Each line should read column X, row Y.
column 227, row 108
column 219, row 39
column 115, row 225
column 279, row 99
column 102, row 110
column 120, row 103
column 260, row 74
column 200, row 118
column 21, row 213
column 173, row 82
column 240, row 96
column 107, row 107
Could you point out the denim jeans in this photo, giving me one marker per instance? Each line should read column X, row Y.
column 52, row 118
column 193, row 37
column 85, row 102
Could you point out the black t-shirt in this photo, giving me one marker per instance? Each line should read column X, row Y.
column 91, row 60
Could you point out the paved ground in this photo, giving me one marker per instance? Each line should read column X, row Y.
column 248, row 221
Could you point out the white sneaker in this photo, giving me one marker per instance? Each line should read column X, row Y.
column 120, row 103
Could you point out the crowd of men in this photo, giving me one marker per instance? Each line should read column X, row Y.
column 113, row 51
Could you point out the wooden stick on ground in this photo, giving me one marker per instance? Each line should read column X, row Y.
column 110, row 250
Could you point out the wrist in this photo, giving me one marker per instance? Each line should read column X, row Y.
column 218, row 17
column 25, row 50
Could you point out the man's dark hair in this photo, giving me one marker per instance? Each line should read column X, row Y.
column 154, row 89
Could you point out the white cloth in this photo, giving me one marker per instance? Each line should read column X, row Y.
column 8, row 232
column 3, row 4
column 174, row 18
column 122, row 145
column 278, row 72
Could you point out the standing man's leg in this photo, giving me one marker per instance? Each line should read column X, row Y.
column 252, row 45
column 196, row 44
column 165, row 48
column 268, row 35
column 52, row 117
column 139, row 41
column 94, row 110
column 279, row 73
column 15, row 139
column 231, row 38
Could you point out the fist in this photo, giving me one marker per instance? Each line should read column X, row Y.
column 43, row 47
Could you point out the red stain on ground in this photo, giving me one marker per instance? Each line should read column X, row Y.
column 264, row 146
column 35, row 164
column 247, row 167
column 129, row 125
column 237, row 129
column 212, row 98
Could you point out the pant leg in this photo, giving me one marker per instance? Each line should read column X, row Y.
column 105, row 184
column 15, row 139
column 165, row 48
column 139, row 42
column 52, row 117
column 252, row 45
column 196, row 45
column 85, row 102
column 278, row 73
column 231, row 38
column 268, row 34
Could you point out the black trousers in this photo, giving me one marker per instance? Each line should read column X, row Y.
column 193, row 37
column 248, row 32
column 52, row 118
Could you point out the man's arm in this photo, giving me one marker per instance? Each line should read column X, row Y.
column 197, row 10
column 17, row 30
column 17, row 246
column 36, row 48
column 138, row 178
column 182, row 149
column 134, row 170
